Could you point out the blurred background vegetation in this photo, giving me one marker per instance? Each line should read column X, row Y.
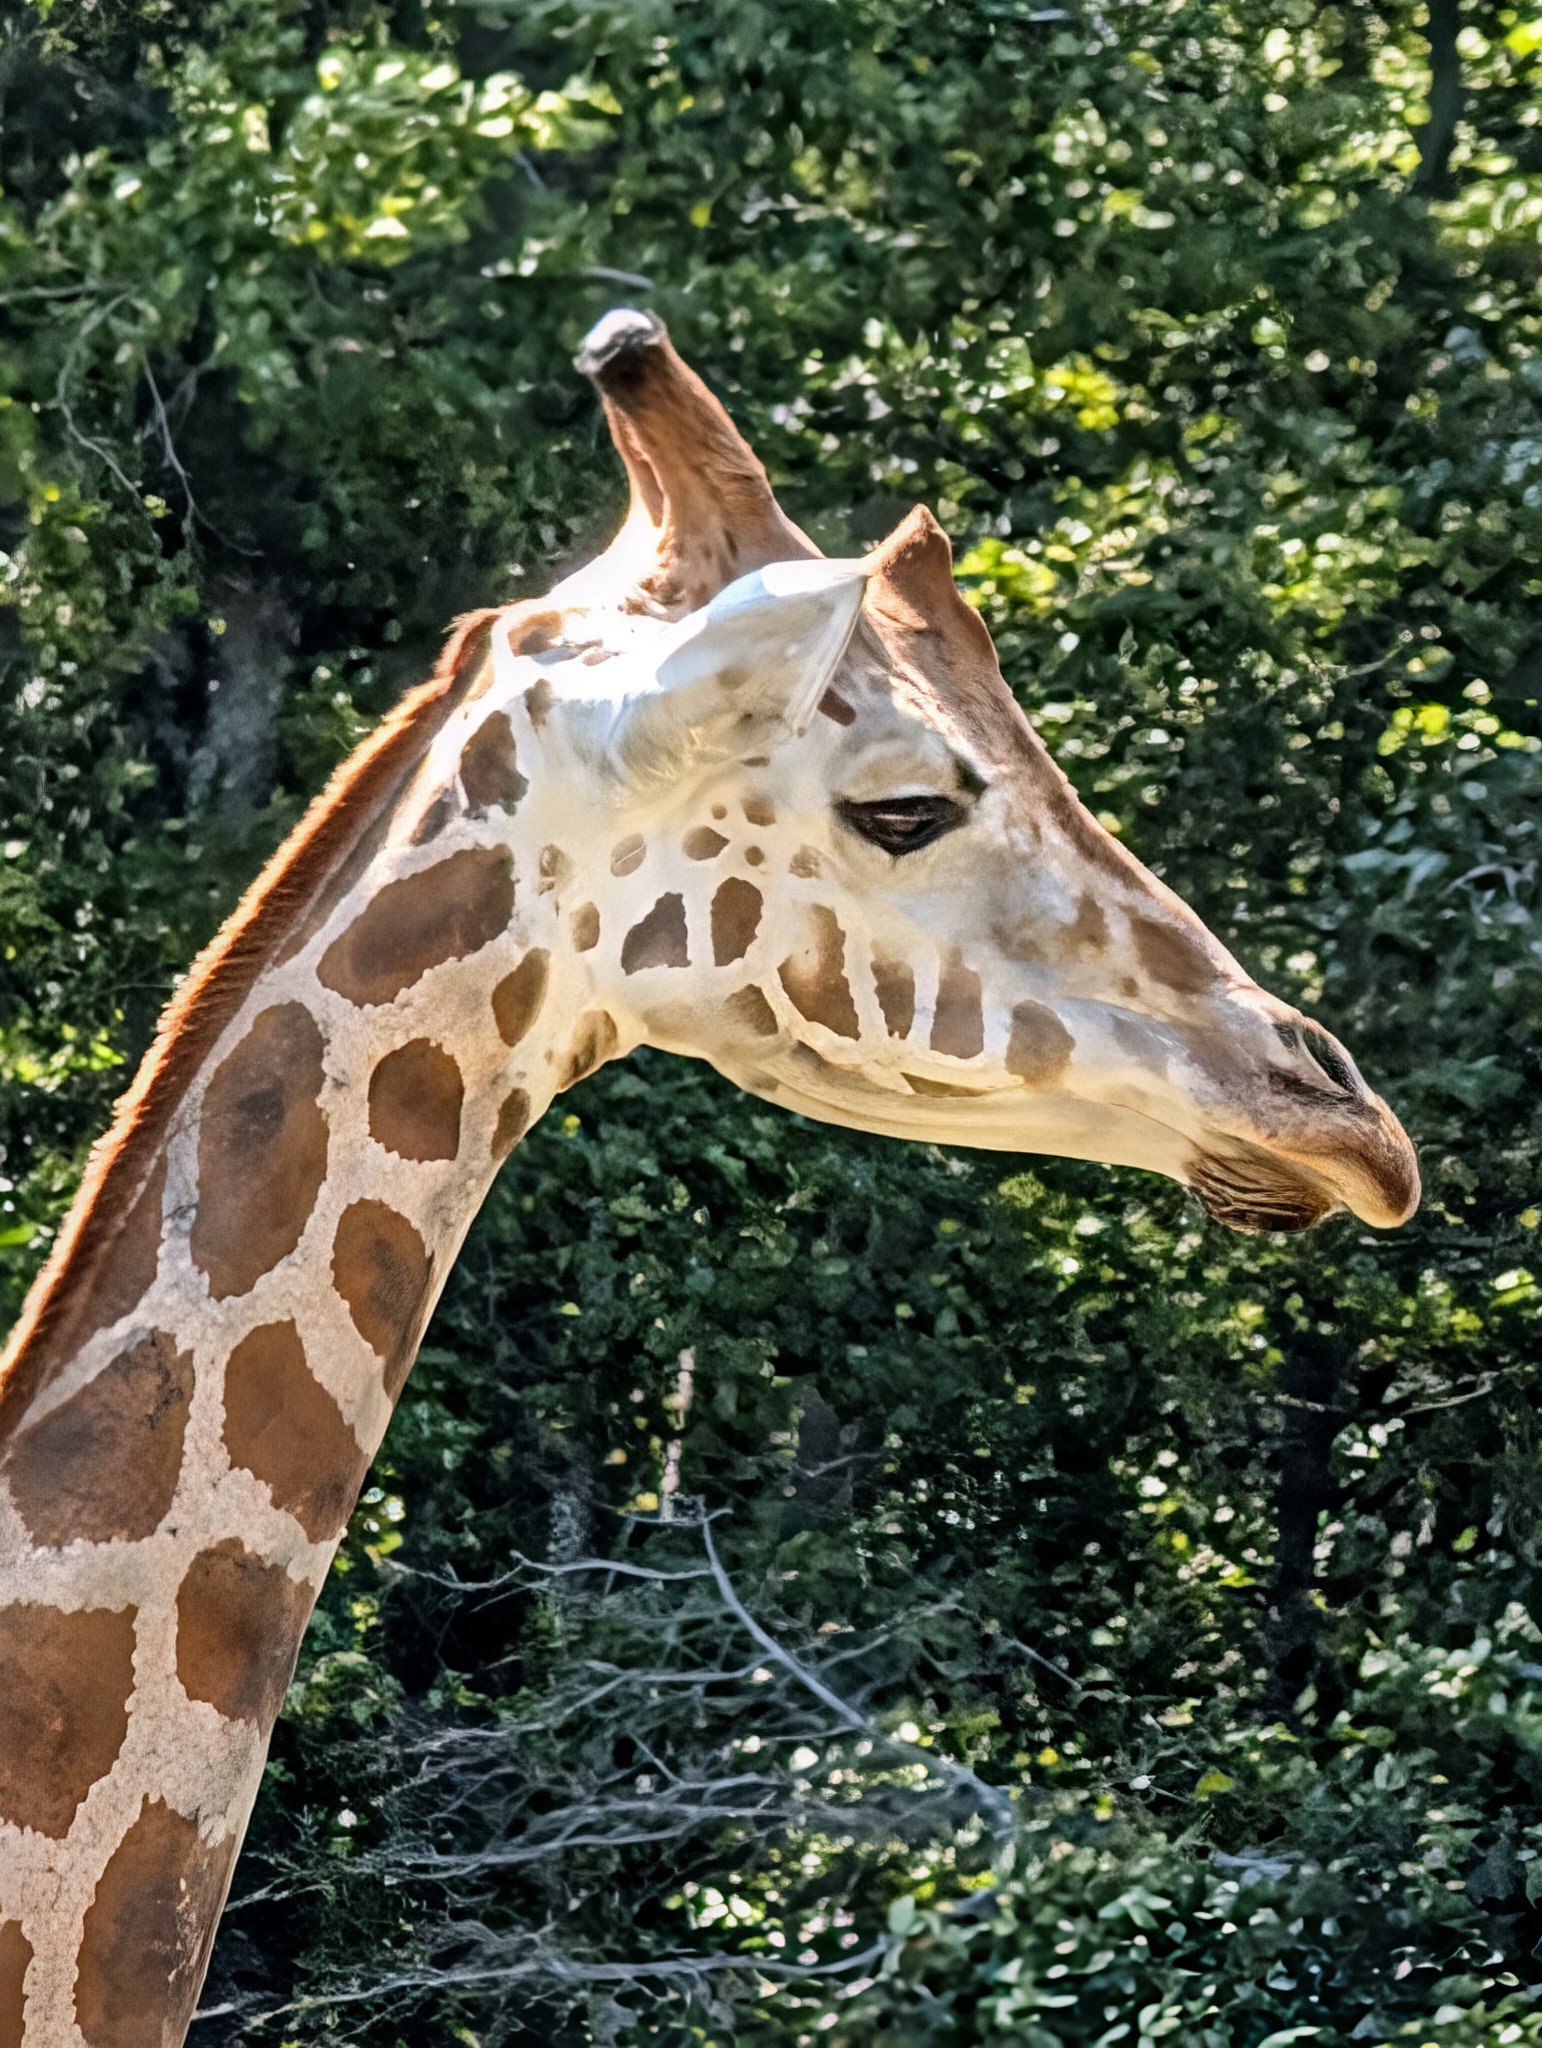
column 1075, row 1626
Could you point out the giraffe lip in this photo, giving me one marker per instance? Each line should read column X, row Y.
column 1249, row 1189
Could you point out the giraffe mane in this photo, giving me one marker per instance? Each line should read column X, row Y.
column 220, row 978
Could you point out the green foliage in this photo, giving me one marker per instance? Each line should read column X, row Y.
column 1216, row 1557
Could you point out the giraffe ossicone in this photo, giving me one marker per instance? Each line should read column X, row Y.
column 714, row 793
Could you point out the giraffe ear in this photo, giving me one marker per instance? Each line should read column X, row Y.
column 746, row 670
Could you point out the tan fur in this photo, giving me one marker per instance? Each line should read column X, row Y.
column 217, row 983
column 541, row 861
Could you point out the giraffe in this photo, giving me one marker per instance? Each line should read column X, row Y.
column 714, row 793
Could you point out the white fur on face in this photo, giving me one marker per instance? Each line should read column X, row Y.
column 1014, row 985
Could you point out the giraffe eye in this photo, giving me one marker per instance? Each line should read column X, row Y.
column 901, row 824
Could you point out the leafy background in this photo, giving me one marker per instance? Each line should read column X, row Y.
column 1071, row 1625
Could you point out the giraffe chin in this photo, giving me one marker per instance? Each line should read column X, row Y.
column 1250, row 1190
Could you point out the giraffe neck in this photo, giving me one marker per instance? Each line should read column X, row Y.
column 183, row 1431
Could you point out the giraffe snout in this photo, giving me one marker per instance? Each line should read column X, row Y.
column 1321, row 1115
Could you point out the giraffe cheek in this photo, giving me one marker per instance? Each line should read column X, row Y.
column 736, row 913
column 148, row 1931
column 958, row 1023
column 1040, row 1047
column 895, row 986
column 815, row 978
column 748, row 1009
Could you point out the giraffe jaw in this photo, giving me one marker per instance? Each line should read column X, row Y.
column 986, row 1119
column 1240, row 1184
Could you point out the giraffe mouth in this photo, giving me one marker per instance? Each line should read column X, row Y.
column 1250, row 1190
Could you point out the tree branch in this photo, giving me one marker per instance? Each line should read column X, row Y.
column 1432, row 180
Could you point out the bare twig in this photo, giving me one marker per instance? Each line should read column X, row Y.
column 992, row 1801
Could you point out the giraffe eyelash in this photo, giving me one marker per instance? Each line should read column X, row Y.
column 902, row 824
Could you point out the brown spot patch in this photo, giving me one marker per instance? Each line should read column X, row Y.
column 702, row 843
column 958, row 1023
column 441, row 913
column 748, row 1008
column 148, row 1932
column 538, row 634
column 1173, row 956
column 754, row 856
column 736, row 910
column 239, row 1624
column 283, row 1427
column 585, row 927
column 513, row 1122
column 759, row 810
column 594, row 1042
column 1021, row 941
column 518, row 997
column 65, row 1681
column 1088, row 931
column 539, row 699
column 434, row 819
column 834, row 705
column 806, row 863
column 489, row 766
column 720, row 811
column 552, row 868
column 299, row 888
column 381, row 1268
column 130, row 1265
column 657, row 940
column 103, row 1465
column 15, row 1955
column 1039, row 1046
column 415, row 1097
column 262, row 1151
column 896, row 990
column 815, row 977
column 627, row 855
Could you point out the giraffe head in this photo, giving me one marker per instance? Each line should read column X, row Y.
column 836, row 860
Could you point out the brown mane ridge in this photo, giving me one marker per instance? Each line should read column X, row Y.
column 217, row 983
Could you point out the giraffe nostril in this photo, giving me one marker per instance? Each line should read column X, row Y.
column 1334, row 1063
column 1324, row 1054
